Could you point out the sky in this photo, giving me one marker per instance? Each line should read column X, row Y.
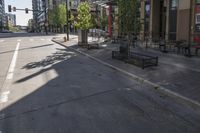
column 22, row 17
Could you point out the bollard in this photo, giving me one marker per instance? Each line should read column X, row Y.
column 65, row 39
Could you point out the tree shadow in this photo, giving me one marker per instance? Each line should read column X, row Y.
column 35, row 47
column 47, row 63
column 13, row 35
column 56, row 57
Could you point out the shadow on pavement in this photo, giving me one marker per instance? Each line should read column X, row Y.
column 46, row 45
column 79, row 95
column 13, row 35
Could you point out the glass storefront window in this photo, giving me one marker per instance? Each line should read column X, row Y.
column 174, row 4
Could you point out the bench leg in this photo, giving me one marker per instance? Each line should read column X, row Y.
column 187, row 52
column 178, row 50
column 196, row 51
column 156, row 61
column 143, row 64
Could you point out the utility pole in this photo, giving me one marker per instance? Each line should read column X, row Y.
column 67, row 20
column 45, row 13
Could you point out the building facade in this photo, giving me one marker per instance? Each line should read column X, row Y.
column 169, row 19
column 10, row 19
column 39, row 14
column 2, row 15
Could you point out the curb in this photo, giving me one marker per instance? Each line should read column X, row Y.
column 188, row 101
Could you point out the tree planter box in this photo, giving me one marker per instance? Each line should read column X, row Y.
column 82, row 37
column 93, row 45
column 137, row 59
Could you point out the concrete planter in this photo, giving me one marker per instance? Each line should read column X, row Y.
column 82, row 37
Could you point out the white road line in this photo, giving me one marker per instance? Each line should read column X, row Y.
column 42, row 39
column 31, row 40
column 4, row 97
column 13, row 63
column 2, row 40
column 19, row 40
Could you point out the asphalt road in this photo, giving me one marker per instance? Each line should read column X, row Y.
column 46, row 88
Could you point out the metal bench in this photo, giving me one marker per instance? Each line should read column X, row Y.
column 137, row 59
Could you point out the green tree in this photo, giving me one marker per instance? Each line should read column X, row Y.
column 84, row 22
column 104, row 21
column 128, row 20
column 127, row 14
column 12, row 28
column 57, row 16
column 51, row 17
column 84, row 19
column 62, row 14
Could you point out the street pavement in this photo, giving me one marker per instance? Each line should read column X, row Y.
column 51, row 89
column 177, row 73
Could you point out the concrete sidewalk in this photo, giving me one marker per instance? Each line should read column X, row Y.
column 176, row 73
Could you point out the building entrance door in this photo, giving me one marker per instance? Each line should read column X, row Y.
column 158, row 19
column 173, row 19
column 162, row 19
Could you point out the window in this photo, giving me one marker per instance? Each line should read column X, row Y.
column 174, row 4
column 198, row 18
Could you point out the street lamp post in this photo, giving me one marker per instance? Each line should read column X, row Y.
column 67, row 20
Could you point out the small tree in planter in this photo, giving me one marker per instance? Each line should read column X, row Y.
column 83, row 22
column 128, row 21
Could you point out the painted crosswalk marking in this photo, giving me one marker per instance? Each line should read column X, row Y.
column 2, row 40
